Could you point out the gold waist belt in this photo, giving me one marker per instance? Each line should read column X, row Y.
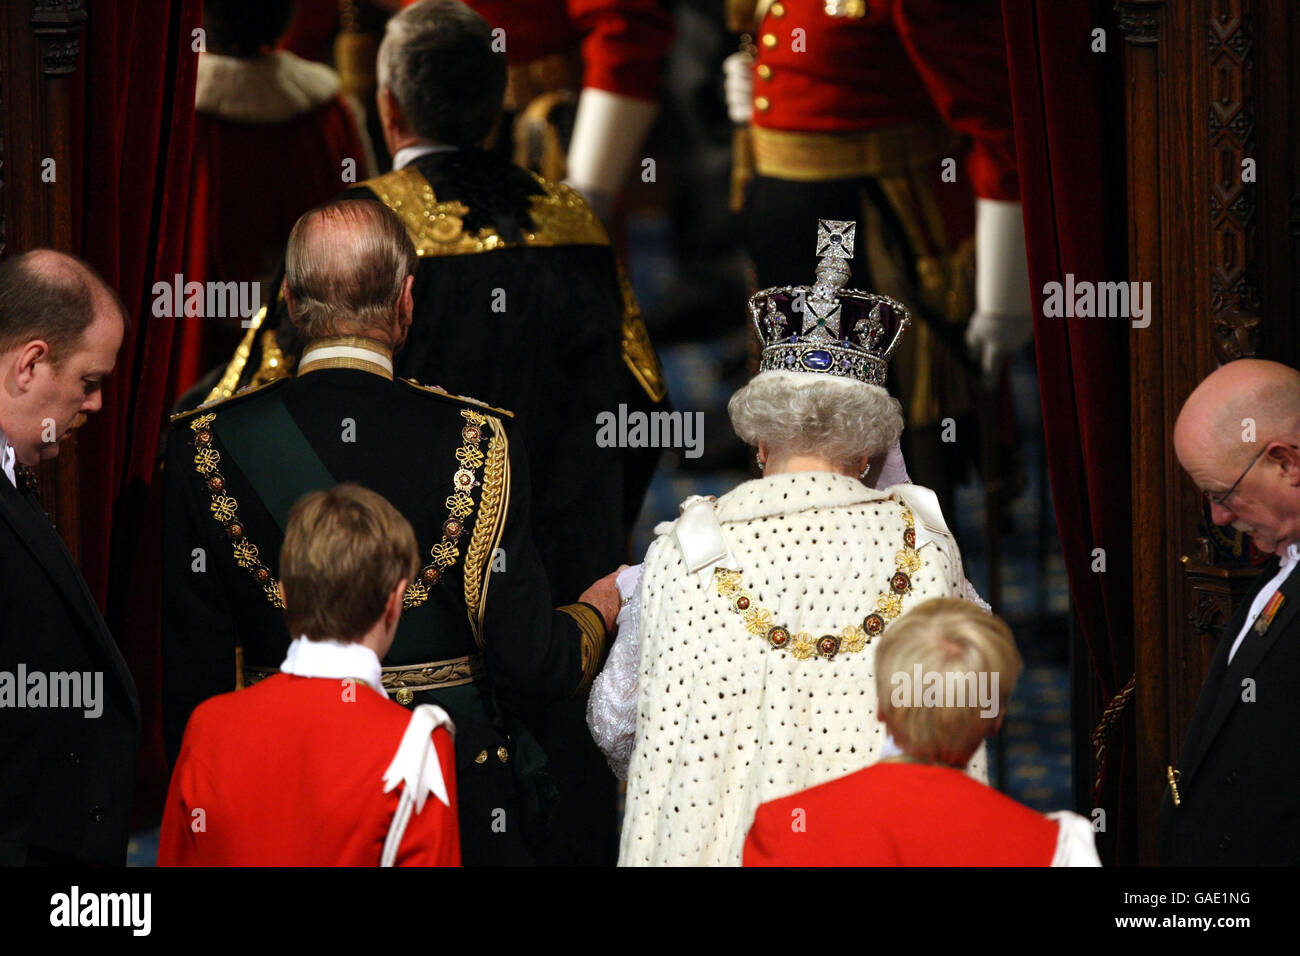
column 814, row 157
column 527, row 81
column 403, row 683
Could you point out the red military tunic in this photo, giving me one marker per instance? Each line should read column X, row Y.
column 901, row 63
column 289, row 772
column 900, row 814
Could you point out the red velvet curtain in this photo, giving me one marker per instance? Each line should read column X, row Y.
column 1067, row 139
column 138, row 123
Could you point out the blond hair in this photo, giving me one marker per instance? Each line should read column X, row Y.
column 344, row 551
column 953, row 645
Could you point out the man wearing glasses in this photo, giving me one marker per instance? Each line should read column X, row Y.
column 1233, row 798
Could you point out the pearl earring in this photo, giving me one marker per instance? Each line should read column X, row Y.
column 762, row 465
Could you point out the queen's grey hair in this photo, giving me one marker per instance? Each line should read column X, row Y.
column 836, row 419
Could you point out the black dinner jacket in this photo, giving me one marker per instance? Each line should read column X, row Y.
column 66, row 779
column 1239, row 791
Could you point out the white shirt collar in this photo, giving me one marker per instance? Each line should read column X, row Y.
column 347, row 352
column 1286, row 565
column 336, row 659
column 8, row 459
column 409, row 154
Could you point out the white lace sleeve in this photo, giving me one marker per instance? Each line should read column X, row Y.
column 970, row 594
column 611, row 707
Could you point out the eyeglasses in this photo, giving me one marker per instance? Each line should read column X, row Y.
column 1215, row 498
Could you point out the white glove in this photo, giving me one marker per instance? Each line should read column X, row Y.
column 993, row 337
column 738, row 83
column 609, row 130
column 1003, row 320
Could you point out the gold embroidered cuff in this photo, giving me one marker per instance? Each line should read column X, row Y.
column 593, row 639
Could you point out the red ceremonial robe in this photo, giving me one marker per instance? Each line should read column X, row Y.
column 900, row 814
column 289, row 772
column 273, row 137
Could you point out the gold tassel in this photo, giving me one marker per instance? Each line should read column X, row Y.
column 742, row 166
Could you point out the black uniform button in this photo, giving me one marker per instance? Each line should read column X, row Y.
column 1232, row 776
column 97, row 813
column 74, row 760
column 1223, row 844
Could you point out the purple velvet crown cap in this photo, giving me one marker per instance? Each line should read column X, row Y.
column 825, row 328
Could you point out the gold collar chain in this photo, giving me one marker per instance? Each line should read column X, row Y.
column 459, row 504
column 852, row 639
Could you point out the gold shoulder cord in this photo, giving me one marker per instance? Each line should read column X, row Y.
column 852, row 639
column 638, row 352
column 225, row 509
column 273, row 365
column 488, row 528
column 230, row 377
column 460, row 505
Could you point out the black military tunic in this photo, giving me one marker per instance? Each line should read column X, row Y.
column 519, row 301
column 479, row 634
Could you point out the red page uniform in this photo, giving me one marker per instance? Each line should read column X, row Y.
column 903, row 814
column 291, row 771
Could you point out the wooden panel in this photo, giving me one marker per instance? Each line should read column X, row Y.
column 40, row 102
column 1209, row 83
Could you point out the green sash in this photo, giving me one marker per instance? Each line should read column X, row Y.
column 273, row 454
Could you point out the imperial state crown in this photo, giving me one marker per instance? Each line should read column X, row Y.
column 825, row 328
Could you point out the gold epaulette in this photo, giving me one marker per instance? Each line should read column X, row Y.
column 216, row 403
column 561, row 217
column 461, row 399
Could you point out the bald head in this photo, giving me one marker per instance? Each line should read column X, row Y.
column 348, row 271
column 1243, row 399
column 1243, row 422
column 60, row 331
column 50, row 296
